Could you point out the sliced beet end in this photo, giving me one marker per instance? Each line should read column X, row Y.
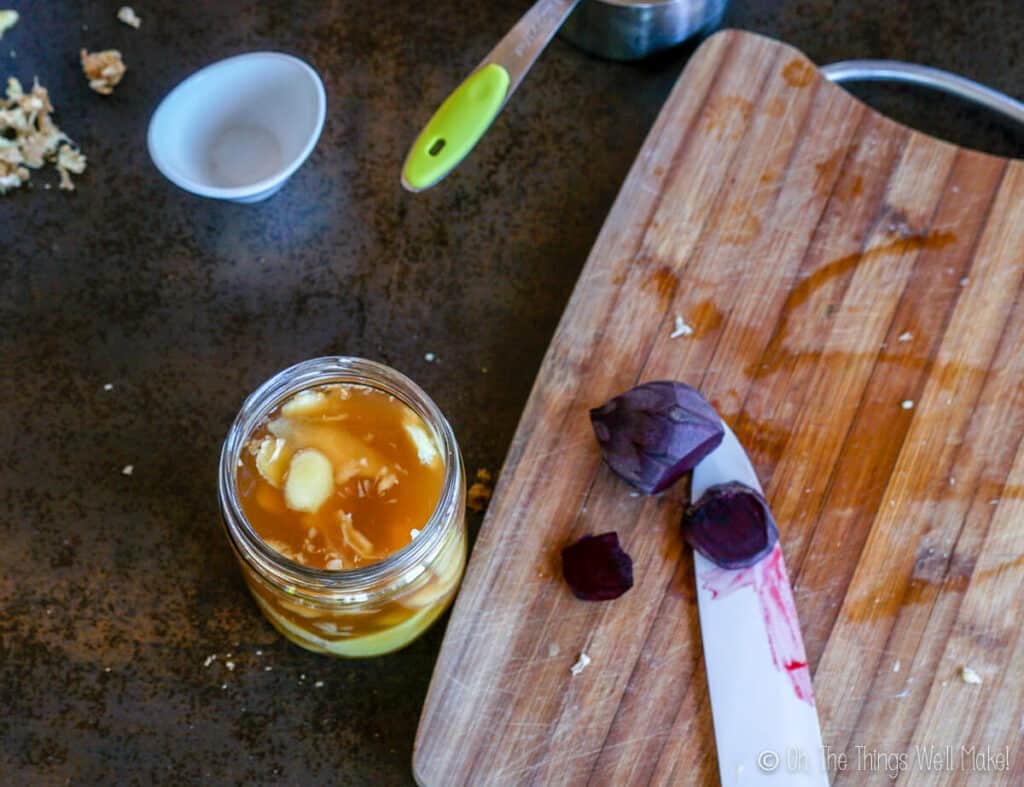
column 596, row 568
column 653, row 434
column 731, row 526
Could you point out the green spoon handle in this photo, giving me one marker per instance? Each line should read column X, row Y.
column 468, row 112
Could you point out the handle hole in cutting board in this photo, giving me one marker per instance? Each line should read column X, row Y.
column 437, row 147
column 943, row 116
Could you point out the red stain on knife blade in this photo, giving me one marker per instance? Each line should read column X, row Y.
column 771, row 583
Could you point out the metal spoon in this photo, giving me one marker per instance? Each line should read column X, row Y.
column 466, row 114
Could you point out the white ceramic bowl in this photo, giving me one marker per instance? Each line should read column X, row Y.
column 239, row 128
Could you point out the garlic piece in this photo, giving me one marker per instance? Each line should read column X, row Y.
column 432, row 592
column 301, row 610
column 272, row 458
column 306, row 404
column 310, row 481
column 425, row 448
column 337, row 445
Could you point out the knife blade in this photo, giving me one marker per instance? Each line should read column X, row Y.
column 762, row 703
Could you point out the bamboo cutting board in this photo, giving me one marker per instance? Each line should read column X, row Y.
column 854, row 293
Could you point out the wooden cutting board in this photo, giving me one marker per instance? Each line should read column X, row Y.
column 854, row 293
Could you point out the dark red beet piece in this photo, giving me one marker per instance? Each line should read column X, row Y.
column 731, row 526
column 596, row 568
column 654, row 433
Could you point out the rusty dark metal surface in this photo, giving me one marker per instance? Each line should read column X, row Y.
column 115, row 589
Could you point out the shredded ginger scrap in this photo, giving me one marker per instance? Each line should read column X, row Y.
column 479, row 494
column 8, row 19
column 29, row 138
column 103, row 70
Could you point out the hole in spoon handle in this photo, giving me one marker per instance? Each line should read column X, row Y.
column 456, row 127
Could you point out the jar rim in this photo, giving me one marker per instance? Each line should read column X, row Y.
column 363, row 580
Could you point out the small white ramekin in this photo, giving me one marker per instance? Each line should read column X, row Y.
column 237, row 129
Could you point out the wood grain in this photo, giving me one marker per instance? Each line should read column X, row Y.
column 854, row 289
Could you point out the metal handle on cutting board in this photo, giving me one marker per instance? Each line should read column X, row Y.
column 464, row 117
column 926, row 76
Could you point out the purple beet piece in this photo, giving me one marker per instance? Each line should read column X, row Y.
column 596, row 568
column 731, row 526
column 654, row 433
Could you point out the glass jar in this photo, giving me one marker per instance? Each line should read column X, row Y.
column 362, row 611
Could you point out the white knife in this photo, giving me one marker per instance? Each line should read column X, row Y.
column 766, row 724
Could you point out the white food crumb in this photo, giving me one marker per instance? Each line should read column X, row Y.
column 580, row 665
column 106, row 669
column 108, row 386
column 267, row 669
column 8, row 19
column 128, row 469
column 907, row 404
column 319, row 684
column 553, row 649
column 127, row 15
column 896, row 666
column 429, row 357
column 259, row 652
column 223, row 685
column 968, row 675
column 905, row 337
column 230, row 665
column 210, row 659
column 681, row 329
